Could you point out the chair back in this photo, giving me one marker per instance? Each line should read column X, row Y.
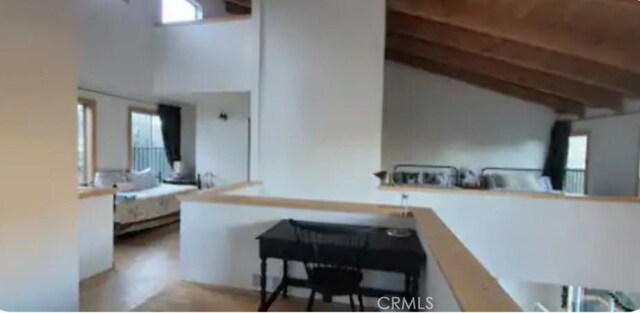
column 331, row 246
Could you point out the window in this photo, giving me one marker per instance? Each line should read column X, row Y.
column 577, row 160
column 86, row 148
column 146, row 148
column 174, row 11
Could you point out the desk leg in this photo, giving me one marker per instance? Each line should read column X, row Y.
column 407, row 285
column 263, row 281
column 285, row 278
column 414, row 288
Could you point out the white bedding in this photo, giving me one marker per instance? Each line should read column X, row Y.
column 158, row 191
column 149, row 204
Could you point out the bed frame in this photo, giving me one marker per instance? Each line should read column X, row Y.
column 419, row 168
column 158, row 220
column 509, row 169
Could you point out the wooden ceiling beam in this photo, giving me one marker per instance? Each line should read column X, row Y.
column 635, row 3
column 561, row 105
column 242, row 3
column 239, row 7
column 606, row 31
column 590, row 95
column 515, row 52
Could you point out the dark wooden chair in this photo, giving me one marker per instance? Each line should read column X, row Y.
column 329, row 273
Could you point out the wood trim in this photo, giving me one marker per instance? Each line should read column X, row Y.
column 210, row 20
column 134, row 109
column 590, row 95
column 221, row 196
column 89, row 192
column 588, row 156
column 203, row 195
column 572, row 27
column 299, row 204
column 473, row 287
column 493, row 193
column 92, row 138
column 245, row 3
column 525, row 54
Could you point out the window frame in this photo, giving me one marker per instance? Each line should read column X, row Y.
column 584, row 133
column 90, row 111
column 199, row 13
column 132, row 110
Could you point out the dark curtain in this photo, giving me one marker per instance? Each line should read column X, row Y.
column 555, row 166
column 171, row 125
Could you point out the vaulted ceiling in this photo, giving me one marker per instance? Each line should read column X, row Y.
column 568, row 55
column 238, row 6
column 565, row 54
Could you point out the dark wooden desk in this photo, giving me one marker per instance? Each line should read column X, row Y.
column 385, row 253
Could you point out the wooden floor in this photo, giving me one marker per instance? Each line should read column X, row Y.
column 145, row 264
column 146, row 278
column 189, row 297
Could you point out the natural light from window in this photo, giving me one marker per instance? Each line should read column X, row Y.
column 86, row 141
column 82, row 145
column 174, row 11
column 147, row 146
column 575, row 180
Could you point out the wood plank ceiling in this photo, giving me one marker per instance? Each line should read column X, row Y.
column 565, row 54
column 568, row 55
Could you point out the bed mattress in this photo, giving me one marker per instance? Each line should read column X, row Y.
column 148, row 206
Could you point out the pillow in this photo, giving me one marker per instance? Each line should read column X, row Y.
column 492, row 181
column 545, row 184
column 143, row 180
column 109, row 178
column 521, row 182
column 397, row 178
column 126, row 187
column 411, row 178
column 146, row 171
column 437, row 179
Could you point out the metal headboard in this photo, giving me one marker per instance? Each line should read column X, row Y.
column 452, row 169
column 509, row 169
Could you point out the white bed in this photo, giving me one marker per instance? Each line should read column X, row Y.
column 135, row 211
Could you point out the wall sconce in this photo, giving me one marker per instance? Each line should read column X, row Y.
column 223, row 116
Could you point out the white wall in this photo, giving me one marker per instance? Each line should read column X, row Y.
column 527, row 295
column 123, row 52
column 116, row 52
column 223, row 146
column 112, row 130
column 209, row 57
column 38, row 211
column 550, row 241
column 210, row 230
column 213, row 8
column 95, row 227
column 321, row 103
column 117, row 55
column 614, row 153
column 436, row 120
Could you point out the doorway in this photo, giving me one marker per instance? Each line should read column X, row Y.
column 576, row 180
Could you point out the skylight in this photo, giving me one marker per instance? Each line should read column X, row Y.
column 174, row 11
